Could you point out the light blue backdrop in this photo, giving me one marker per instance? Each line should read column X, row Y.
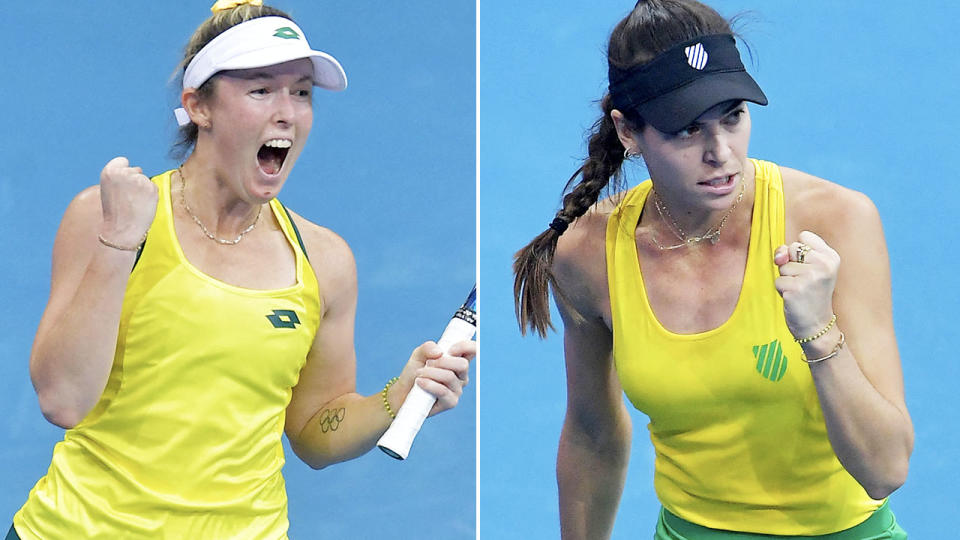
column 390, row 166
column 861, row 93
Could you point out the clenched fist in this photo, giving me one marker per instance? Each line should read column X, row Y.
column 129, row 202
column 808, row 274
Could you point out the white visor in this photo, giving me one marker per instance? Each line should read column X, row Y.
column 264, row 41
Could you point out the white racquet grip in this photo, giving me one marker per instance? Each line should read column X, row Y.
column 399, row 436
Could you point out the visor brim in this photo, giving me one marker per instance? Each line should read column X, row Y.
column 327, row 72
column 675, row 110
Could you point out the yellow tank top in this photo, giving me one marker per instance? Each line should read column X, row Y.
column 735, row 422
column 185, row 441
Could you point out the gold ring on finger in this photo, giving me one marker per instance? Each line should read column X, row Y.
column 802, row 251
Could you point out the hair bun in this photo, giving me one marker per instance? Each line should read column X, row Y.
column 221, row 5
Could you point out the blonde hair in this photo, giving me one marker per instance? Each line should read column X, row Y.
column 216, row 24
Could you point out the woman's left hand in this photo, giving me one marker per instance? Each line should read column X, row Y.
column 442, row 375
column 808, row 274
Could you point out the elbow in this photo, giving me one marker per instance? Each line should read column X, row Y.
column 315, row 465
column 57, row 408
column 314, row 460
column 616, row 446
column 58, row 413
column 880, row 492
column 609, row 440
column 892, row 474
column 61, row 421
column 51, row 397
column 61, row 399
column 882, row 470
column 881, row 487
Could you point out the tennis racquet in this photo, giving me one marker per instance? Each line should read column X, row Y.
column 404, row 428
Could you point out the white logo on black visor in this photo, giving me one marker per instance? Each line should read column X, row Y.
column 696, row 56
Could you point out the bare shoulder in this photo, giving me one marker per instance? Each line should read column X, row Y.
column 330, row 256
column 579, row 265
column 77, row 234
column 74, row 246
column 86, row 204
column 321, row 242
column 836, row 213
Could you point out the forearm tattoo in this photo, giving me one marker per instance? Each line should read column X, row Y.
column 330, row 419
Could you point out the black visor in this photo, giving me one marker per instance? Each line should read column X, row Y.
column 680, row 84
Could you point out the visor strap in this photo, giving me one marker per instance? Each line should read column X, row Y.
column 183, row 119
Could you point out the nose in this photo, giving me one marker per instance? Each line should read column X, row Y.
column 717, row 150
column 285, row 108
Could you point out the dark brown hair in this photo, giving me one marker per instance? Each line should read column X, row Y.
column 653, row 27
column 217, row 24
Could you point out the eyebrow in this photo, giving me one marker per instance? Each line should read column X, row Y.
column 732, row 106
column 727, row 110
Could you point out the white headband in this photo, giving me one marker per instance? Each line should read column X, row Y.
column 264, row 41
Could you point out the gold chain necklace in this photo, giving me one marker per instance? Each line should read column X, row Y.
column 208, row 234
column 712, row 234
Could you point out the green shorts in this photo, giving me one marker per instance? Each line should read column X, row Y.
column 881, row 525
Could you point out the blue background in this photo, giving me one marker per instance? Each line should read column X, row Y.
column 861, row 93
column 390, row 166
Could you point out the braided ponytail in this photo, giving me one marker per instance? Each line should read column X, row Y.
column 533, row 277
column 651, row 28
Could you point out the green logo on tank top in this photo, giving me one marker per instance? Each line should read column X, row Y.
column 284, row 318
column 286, row 32
column 771, row 363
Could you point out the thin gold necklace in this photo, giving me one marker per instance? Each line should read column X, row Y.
column 712, row 234
column 208, row 234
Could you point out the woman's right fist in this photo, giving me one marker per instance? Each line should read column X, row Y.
column 129, row 202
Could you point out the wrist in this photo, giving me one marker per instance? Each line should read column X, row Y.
column 815, row 333
column 393, row 395
column 815, row 354
column 120, row 247
column 385, row 398
column 124, row 239
column 822, row 345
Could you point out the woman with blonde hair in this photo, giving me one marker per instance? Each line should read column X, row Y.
column 177, row 379
column 714, row 296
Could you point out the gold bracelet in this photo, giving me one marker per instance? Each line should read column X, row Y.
column 110, row 244
column 383, row 394
column 833, row 321
column 834, row 352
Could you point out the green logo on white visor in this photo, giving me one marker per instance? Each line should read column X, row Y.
column 286, row 32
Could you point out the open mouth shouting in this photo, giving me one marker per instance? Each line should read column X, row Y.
column 272, row 154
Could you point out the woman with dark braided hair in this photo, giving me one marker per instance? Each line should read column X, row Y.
column 713, row 295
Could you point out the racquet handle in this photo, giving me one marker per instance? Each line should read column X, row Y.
column 416, row 406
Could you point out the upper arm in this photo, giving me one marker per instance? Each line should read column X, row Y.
column 594, row 401
column 593, row 391
column 330, row 369
column 73, row 249
column 862, row 298
column 849, row 222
